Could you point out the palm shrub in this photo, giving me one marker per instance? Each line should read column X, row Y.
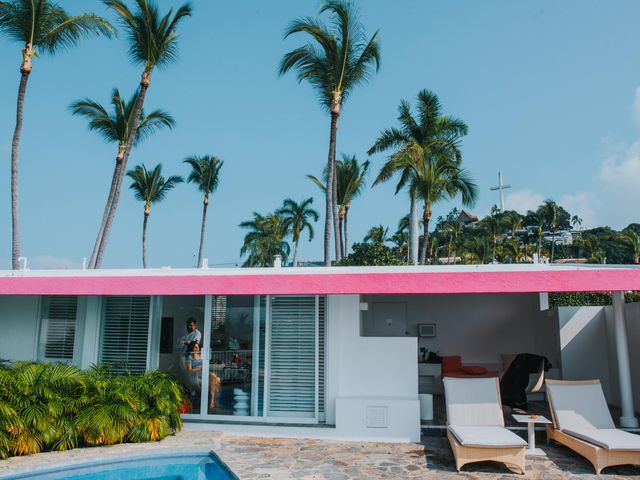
column 58, row 407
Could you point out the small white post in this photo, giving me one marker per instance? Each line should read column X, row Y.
column 205, row 263
column 24, row 265
column 628, row 418
column 277, row 261
column 84, row 263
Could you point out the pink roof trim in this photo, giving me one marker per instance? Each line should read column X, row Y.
column 438, row 282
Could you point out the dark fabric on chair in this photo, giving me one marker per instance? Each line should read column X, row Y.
column 514, row 382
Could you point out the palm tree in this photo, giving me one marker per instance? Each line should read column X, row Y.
column 335, row 61
column 350, row 180
column 416, row 143
column 205, row 173
column 153, row 42
column 41, row 26
column 265, row 240
column 377, row 234
column 296, row 218
column 513, row 222
column 549, row 212
column 115, row 127
column 453, row 229
column 493, row 224
column 632, row 239
column 150, row 187
column 576, row 220
column 478, row 248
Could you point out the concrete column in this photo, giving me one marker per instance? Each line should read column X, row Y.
column 628, row 418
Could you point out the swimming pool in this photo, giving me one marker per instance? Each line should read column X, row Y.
column 174, row 466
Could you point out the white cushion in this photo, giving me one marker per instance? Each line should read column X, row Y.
column 579, row 406
column 489, row 437
column 609, row 438
column 473, row 402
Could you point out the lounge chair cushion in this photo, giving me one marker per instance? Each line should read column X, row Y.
column 579, row 406
column 473, row 402
column 609, row 438
column 486, row 437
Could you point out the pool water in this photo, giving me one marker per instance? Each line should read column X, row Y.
column 187, row 466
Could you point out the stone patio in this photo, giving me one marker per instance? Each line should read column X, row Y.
column 284, row 459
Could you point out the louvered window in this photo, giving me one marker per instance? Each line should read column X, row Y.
column 322, row 334
column 293, row 353
column 58, row 330
column 125, row 333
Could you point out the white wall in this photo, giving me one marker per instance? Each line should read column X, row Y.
column 584, row 345
column 367, row 372
column 632, row 314
column 477, row 327
column 589, row 347
column 19, row 324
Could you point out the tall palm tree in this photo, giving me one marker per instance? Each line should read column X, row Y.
column 149, row 186
column 549, row 212
column 335, row 61
column 350, row 181
column 416, row 141
column 153, row 42
column 205, row 173
column 264, row 240
column 296, row 218
column 41, row 26
column 115, row 127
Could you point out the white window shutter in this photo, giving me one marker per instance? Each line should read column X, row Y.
column 58, row 329
column 125, row 333
column 292, row 357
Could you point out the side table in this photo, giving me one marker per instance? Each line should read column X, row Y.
column 531, row 423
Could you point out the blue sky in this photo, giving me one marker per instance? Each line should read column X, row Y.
column 547, row 88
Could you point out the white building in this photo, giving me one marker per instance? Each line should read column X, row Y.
column 324, row 352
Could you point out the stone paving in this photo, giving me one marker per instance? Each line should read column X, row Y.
column 284, row 459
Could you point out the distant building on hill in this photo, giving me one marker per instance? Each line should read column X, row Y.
column 466, row 218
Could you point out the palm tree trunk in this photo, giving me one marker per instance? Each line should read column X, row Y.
column 105, row 214
column 334, row 184
column 553, row 243
column 425, row 222
column 346, row 231
column 144, row 240
column 329, row 192
column 204, row 220
column 15, row 150
column 295, row 253
column 341, row 233
column 144, row 86
column 414, row 230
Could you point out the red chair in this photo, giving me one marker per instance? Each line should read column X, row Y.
column 452, row 367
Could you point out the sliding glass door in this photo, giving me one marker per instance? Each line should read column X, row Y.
column 260, row 358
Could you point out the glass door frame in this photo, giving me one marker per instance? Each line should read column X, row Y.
column 206, row 357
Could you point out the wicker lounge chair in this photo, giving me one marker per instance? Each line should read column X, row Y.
column 582, row 422
column 475, row 424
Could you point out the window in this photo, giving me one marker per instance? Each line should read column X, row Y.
column 58, row 332
column 293, row 356
column 125, row 333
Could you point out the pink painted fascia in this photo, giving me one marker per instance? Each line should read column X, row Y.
column 438, row 282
